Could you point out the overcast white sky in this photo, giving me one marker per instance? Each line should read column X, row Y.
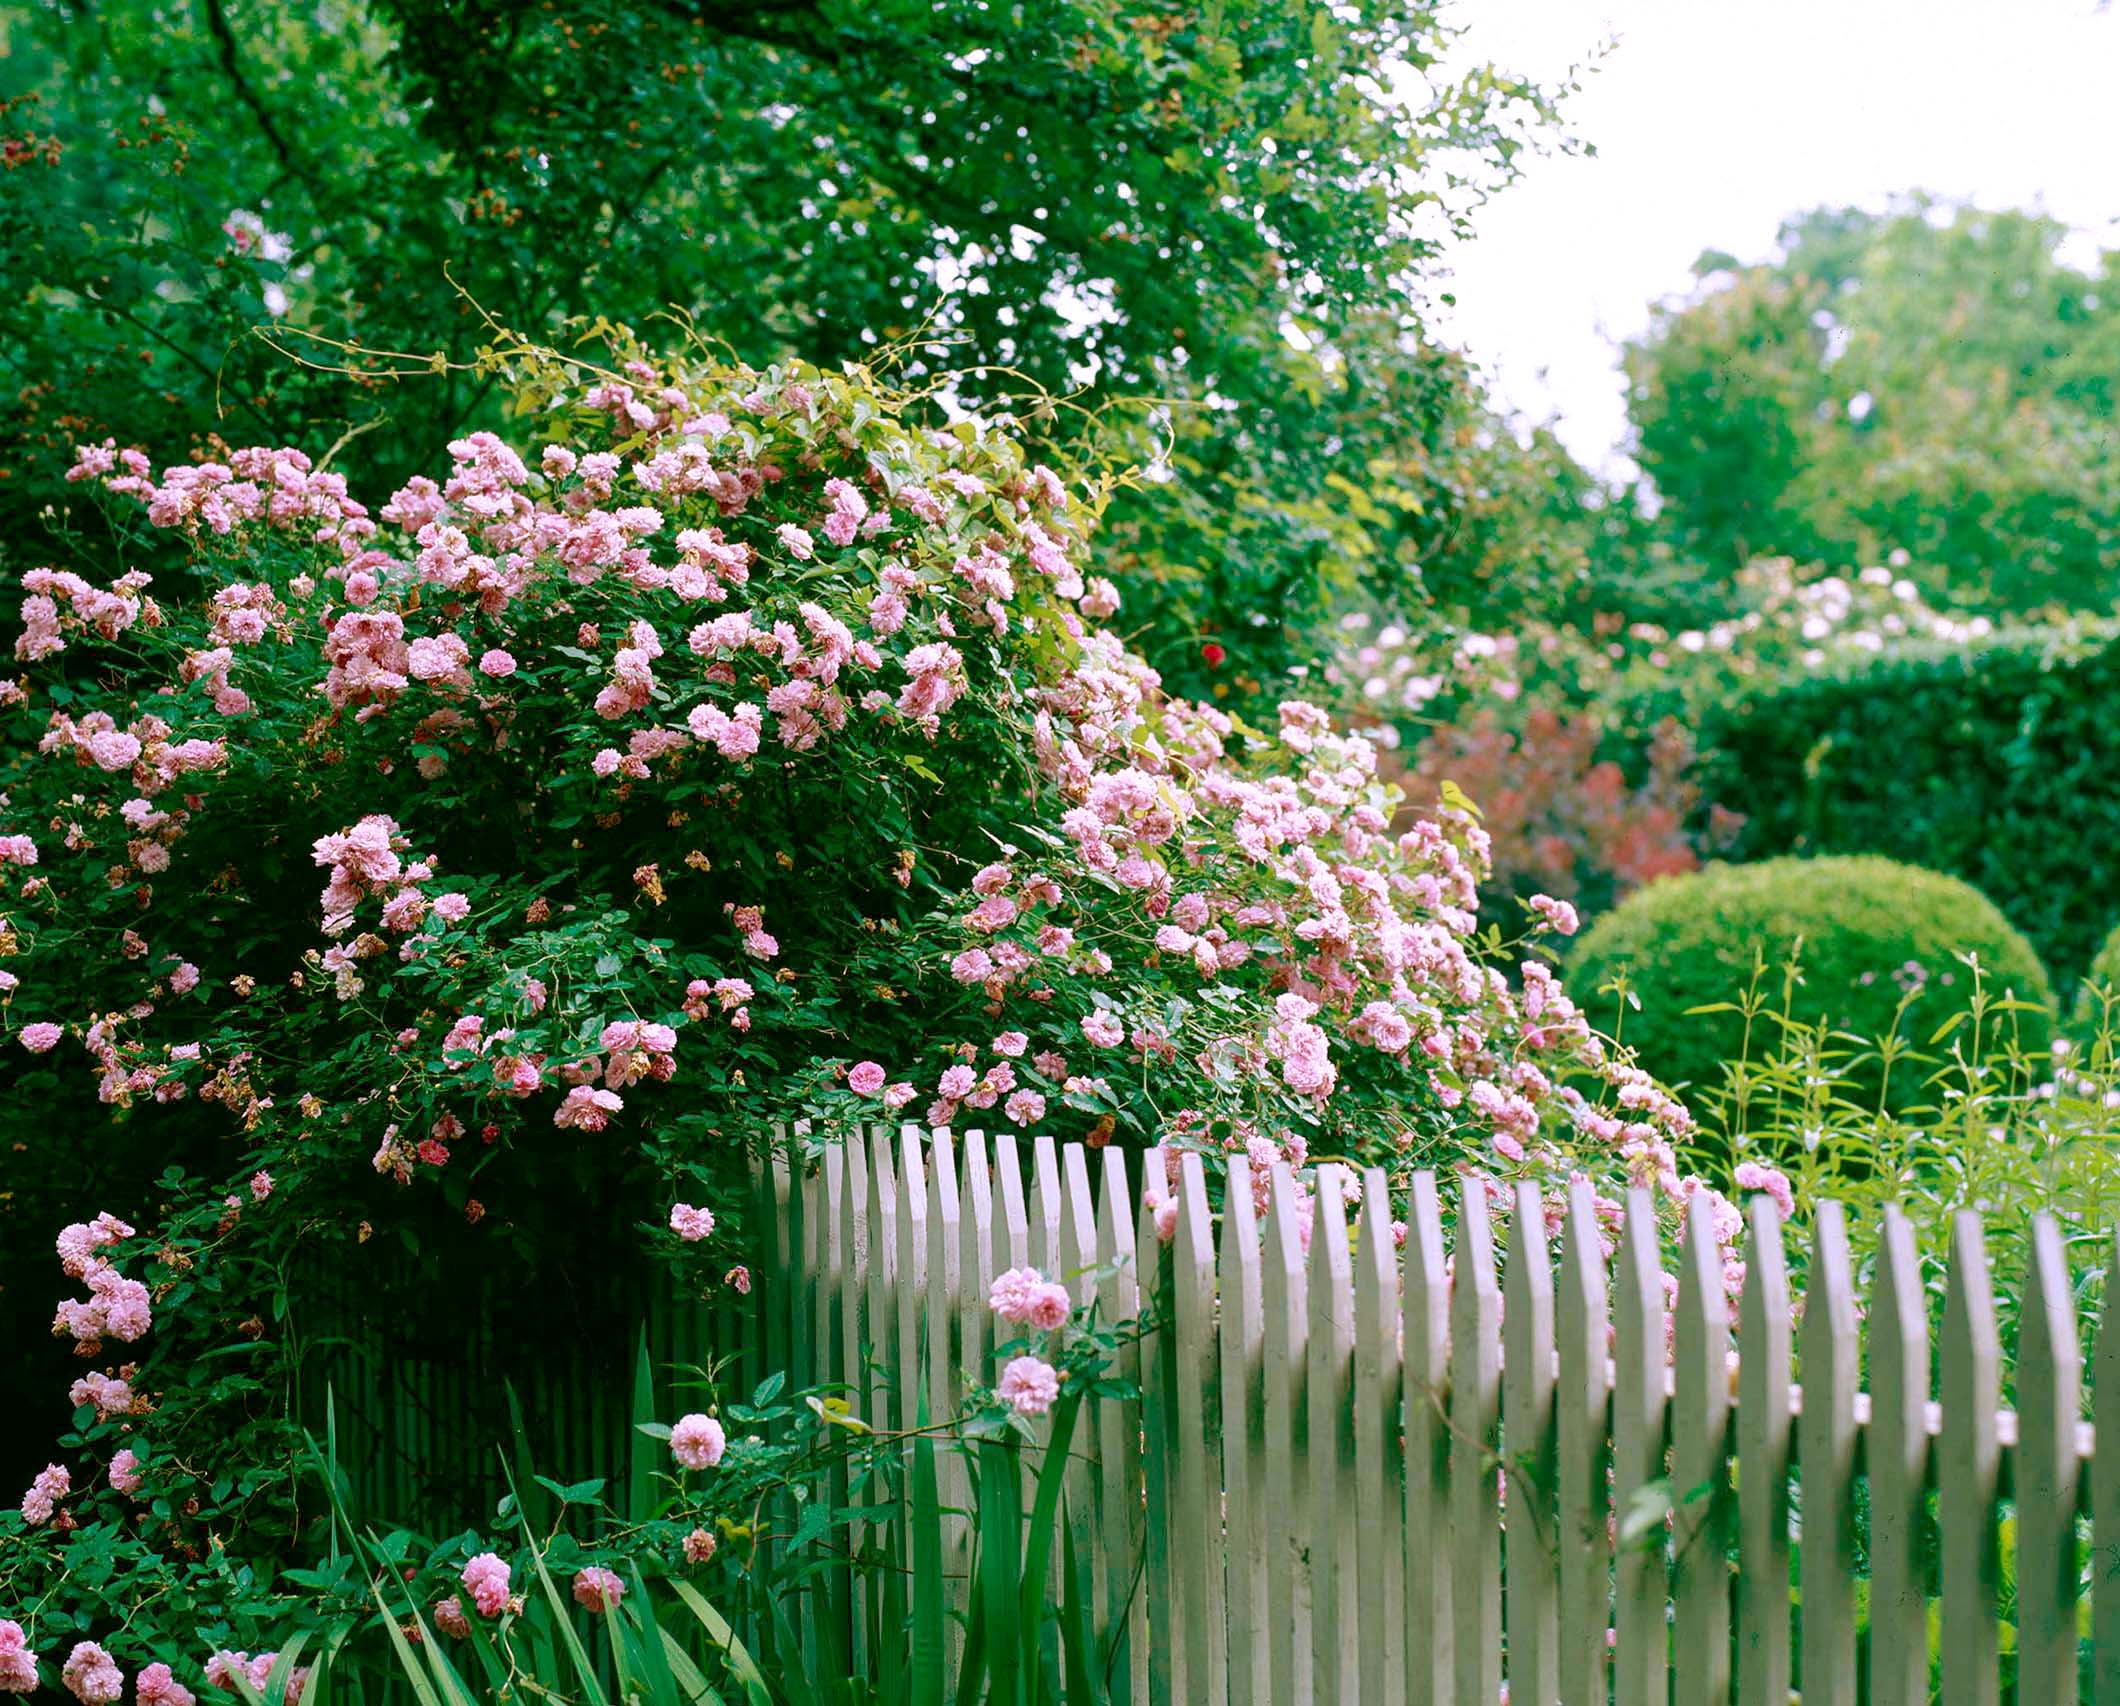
column 1715, row 119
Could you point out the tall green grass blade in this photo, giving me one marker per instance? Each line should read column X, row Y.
column 529, row 1496
column 640, row 1475
column 1078, row 1642
column 434, row 1680
column 650, row 1662
column 1000, row 1577
column 741, row 1665
column 489, row 1659
column 1038, row 1544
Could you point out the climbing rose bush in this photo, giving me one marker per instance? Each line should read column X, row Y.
column 727, row 746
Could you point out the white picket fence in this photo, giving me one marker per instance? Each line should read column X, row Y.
column 1350, row 1479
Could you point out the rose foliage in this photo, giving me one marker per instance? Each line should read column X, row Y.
column 745, row 746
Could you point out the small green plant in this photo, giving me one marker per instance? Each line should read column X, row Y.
column 1931, row 1118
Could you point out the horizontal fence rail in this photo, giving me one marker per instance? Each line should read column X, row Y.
column 1501, row 1466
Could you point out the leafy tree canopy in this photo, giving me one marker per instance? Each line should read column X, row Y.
column 1196, row 235
column 1930, row 380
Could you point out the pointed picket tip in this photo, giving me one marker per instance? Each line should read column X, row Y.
column 1474, row 1286
column 1328, row 1233
column 1425, row 1262
column 1195, row 1236
column 1376, row 1267
column 1700, row 1278
column 2049, row 1316
column 1284, row 1240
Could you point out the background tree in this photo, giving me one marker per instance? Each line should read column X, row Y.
column 1927, row 380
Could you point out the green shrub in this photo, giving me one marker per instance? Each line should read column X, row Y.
column 2101, row 981
column 1867, row 928
column 1997, row 762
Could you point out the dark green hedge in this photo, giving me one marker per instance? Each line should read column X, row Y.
column 1998, row 763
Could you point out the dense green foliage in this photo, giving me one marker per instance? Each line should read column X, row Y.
column 1997, row 762
column 1179, row 238
column 1869, row 930
column 1925, row 381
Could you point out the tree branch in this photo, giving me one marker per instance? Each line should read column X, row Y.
column 224, row 37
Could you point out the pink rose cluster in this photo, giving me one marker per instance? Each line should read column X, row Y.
column 697, row 1441
column 91, row 1675
column 116, row 1307
column 224, row 1667
column 690, row 1223
column 18, row 1665
column 598, row 1589
column 485, row 1578
column 1029, row 1385
column 1028, row 1298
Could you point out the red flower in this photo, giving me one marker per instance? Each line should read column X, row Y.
column 1213, row 653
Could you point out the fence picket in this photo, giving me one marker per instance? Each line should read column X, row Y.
column 1286, row 1322
column 1641, row 1652
column 1120, row 1502
column 831, row 1220
column 1046, row 1211
column 2105, row 1495
column 1581, row 1401
column 874, row 1354
column 909, row 1291
column 1531, row 1455
column 1380, row 1541
column 1425, row 1302
column 1898, row 1454
column 2049, row 1395
column 1340, row 1450
column 1826, row 1447
column 1475, row 1457
column 1969, row 1472
column 1331, row 1378
column 1049, row 1256
column 1078, row 1259
column 1157, row 1445
column 1246, row 1608
column 945, row 1359
column 1198, row 1437
column 1763, row 1438
column 1700, row 1420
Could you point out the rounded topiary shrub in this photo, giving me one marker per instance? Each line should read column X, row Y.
column 1870, row 929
